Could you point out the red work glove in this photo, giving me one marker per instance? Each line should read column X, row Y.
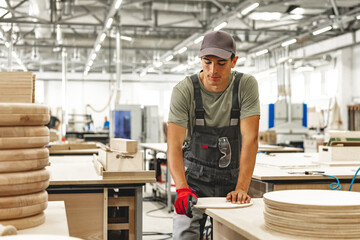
column 185, row 200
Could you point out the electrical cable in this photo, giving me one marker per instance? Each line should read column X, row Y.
column 334, row 185
column 354, row 179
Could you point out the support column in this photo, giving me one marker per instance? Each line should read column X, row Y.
column 64, row 94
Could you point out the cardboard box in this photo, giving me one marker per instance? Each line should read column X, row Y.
column 120, row 161
column 123, row 145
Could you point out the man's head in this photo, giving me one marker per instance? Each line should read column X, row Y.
column 219, row 44
column 217, row 54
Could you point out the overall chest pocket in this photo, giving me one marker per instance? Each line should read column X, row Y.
column 205, row 147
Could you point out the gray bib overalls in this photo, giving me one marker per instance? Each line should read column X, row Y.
column 210, row 171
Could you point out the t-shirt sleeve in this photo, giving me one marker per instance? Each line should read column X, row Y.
column 249, row 97
column 179, row 108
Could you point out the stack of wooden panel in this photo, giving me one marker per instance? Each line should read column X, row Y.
column 23, row 157
column 17, row 87
column 326, row 214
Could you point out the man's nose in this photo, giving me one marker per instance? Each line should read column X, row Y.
column 213, row 68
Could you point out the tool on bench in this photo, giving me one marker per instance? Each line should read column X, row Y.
column 309, row 172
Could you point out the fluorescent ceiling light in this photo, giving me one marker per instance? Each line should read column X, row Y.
column 289, row 42
column 220, row 26
column 242, row 59
column 117, row 4
column 296, row 16
column 7, row 44
column 151, row 69
column 93, row 56
column 304, row 69
column 102, row 37
column 169, row 58
column 158, row 64
column 143, row 73
column 109, row 22
column 358, row 17
column 262, row 52
column 126, row 38
column 182, row 50
column 265, row 16
column 298, row 11
column 249, row 8
column 97, row 48
column 307, row 11
column 86, row 73
column 322, row 30
column 199, row 39
column 91, row 63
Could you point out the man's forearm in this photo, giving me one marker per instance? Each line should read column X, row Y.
column 176, row 167
column 247, row 163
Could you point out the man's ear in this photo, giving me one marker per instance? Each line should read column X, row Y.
column 233, row 62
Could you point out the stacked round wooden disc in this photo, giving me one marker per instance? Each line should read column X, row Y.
column 23, row 158
column 327, row 214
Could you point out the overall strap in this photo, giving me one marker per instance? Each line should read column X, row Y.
column 199, row 110
column 235, row 110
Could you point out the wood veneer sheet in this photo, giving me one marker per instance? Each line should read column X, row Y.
column 218, row 202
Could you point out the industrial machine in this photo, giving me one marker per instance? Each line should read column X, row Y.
column 135, row 122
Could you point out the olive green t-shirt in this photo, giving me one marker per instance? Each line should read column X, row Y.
column 217, row 105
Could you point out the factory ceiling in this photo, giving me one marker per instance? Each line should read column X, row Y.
column 157, row 36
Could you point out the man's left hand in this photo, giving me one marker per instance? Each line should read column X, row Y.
column 238, row 196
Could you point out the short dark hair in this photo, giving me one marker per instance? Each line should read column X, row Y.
column 232, row 56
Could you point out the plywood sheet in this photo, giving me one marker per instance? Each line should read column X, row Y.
column 24, row 119
column 27, row 222
column 23, row 200
column 23, row 154
column 20, row 212
column 23, row 165
column 24, row 131
column 23, row 142
column 24, row 177
column 23, row 108
column 23, row 188
column 218, row 202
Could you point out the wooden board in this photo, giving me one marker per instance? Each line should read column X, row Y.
column 23, row 188
column 27, row 222
column 23, row 200
column 23, row 154
column 24, row 131
column 218, row 202
column 123, row 145
column 20, row 212
column 23, row 142
column 24, row 177
column 23, row 108
column 23, row 165
column 24, row 119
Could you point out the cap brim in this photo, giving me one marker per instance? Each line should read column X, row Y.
column 215, row 52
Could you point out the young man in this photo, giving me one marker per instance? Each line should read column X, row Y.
column 214, row 116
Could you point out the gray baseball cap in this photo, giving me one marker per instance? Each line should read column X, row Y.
column 218, row 43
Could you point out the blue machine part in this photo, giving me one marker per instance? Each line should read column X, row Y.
column 123, row 124
column 304, row 120
column 271, row 115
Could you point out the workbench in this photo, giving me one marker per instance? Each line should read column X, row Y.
column 55, row 221
column 244, row 224
column 284, row 171
column 95, row 205
column 162, row 148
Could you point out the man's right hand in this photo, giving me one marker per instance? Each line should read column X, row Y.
column 185, row 200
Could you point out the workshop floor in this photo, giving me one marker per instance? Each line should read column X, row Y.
column 157, row 222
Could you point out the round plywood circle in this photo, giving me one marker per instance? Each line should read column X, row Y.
column 23, row 165
column 23, row 154
column 26, row 222
column 20, row 212
column 313, row 213
column 23, row 108
column 24, row 177
column 23, row 188
column 23, row 200
column 24, row 131
column 23, row 142
column 218, row 202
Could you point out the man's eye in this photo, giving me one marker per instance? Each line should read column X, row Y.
column 221, row 64
column 208, row 62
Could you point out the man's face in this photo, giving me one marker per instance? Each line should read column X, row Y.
column 216, row 72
